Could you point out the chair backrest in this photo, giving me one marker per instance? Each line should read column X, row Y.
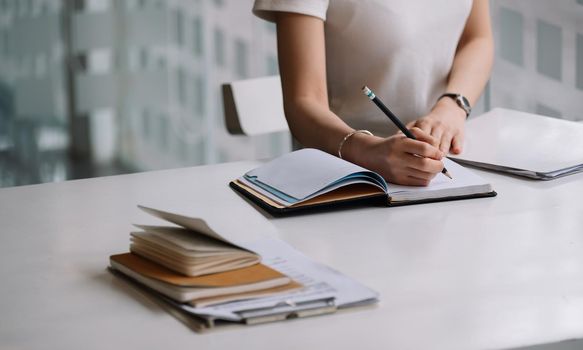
column 254, row 106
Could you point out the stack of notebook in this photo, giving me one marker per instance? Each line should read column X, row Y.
column 193, row 265
column 205, row 278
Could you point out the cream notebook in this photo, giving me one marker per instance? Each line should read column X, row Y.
column 189, row 252
column 191, row 248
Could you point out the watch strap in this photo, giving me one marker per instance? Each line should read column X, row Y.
column 460, row 100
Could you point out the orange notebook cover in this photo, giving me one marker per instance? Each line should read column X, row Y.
column 252, row 274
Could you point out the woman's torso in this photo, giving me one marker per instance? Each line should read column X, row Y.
column 403, row 50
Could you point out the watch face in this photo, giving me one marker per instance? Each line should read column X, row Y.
column 461, row 101
column 464, row 103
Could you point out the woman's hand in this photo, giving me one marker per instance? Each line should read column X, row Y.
column 398, row 159
column 446, row 124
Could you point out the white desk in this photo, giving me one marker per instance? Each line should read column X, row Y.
column 485, row 273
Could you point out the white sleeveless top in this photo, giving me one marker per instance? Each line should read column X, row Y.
column 402, row 49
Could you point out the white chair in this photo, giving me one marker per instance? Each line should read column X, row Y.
column 254, row 106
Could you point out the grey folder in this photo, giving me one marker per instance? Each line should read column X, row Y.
column 523, row 144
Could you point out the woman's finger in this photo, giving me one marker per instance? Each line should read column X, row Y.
column 423, row 136
column 437, row 133
column 445, row 144
column 423, row 164
column 424, row 125
column 457, row 143
column 420, row 148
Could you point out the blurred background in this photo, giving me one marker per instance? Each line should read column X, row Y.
column 101, row 87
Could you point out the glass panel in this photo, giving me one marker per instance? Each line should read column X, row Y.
column 579, row 61
column 198, row 36
column 511, row 36
column 179, row 30
column 546, row 75
column 143, row 91
column 219, row 42
column 199, row 95
column 549, row 50
column 241, row 58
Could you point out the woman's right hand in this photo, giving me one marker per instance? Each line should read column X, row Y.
column 398, row 159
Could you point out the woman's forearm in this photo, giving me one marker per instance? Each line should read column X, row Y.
column 314, row 125
column 469, row 74
column 302, row 63
column 475, row 54
column 471, row 68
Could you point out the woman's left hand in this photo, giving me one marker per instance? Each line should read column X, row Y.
column 445, row 123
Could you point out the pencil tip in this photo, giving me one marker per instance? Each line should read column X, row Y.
column 446, row 173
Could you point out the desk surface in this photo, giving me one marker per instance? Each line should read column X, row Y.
column 486, row 273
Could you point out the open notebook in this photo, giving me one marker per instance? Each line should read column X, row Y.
column 309, row 178
column 523, row 144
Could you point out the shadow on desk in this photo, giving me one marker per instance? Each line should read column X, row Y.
column 573, row 344
column 119, row 284
column 148, row 299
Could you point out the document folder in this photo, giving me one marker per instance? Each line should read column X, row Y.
column 523, row 144
column 280, row 312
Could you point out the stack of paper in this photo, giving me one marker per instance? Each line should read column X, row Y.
column 189, row 269
column 523, row 144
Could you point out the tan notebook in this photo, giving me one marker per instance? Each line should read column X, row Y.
column 236, row 284
column 147, row 268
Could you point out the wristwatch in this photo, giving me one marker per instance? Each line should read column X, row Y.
column 461, row 101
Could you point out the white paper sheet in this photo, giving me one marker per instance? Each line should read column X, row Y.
column 319, row 280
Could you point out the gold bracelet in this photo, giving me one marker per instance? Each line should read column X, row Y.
column 349, row 136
